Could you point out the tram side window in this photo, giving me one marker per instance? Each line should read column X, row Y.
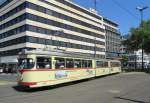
column 25, row 63
column 105, row 64
column 89, row 65
column 69, row 63
column 60, row 63
column 101, row 64
column 115, row 64
column 43, row 63
column 77, row 63
column 84, row 64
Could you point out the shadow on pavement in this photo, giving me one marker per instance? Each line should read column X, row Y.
column 30, row 90
column 131, row 100
column 38, row 89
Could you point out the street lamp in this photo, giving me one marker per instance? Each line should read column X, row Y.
column 95, row 47
column 141, row 9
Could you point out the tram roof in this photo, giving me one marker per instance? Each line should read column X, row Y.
column 57, row 52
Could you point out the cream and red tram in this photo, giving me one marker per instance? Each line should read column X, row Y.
column 37, row 68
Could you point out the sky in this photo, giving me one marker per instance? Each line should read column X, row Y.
column 122, row 12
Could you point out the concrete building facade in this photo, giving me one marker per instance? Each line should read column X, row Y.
column 113, row 39
column 123, row 48
column 30, row 24
column 60, row 24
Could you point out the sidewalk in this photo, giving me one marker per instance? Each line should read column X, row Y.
column 8, row 77
column 8, row 73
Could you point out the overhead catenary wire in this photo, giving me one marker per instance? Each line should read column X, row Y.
column 125, row 9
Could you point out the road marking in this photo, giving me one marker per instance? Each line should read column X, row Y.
column 114, row 91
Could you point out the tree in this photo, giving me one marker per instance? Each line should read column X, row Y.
column 124, row 60
column 134, row 42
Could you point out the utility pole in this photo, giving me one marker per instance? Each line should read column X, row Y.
column 95, row 5
column 55, row 34
column 141, row 9
column 95, row 48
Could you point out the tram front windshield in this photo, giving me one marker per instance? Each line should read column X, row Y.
column 25, row 63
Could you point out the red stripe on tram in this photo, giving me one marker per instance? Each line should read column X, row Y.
column 27, row 83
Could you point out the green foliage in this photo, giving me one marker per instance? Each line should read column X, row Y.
column 134, row 42
column 124, row 60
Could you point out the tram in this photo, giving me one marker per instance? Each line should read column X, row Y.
column 37, row 68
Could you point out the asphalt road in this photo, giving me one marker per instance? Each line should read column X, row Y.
column 120, row 88
column 8, row 77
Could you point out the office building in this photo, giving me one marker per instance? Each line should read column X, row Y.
column 62, row 24
column 123, row 48
column 113, row 39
